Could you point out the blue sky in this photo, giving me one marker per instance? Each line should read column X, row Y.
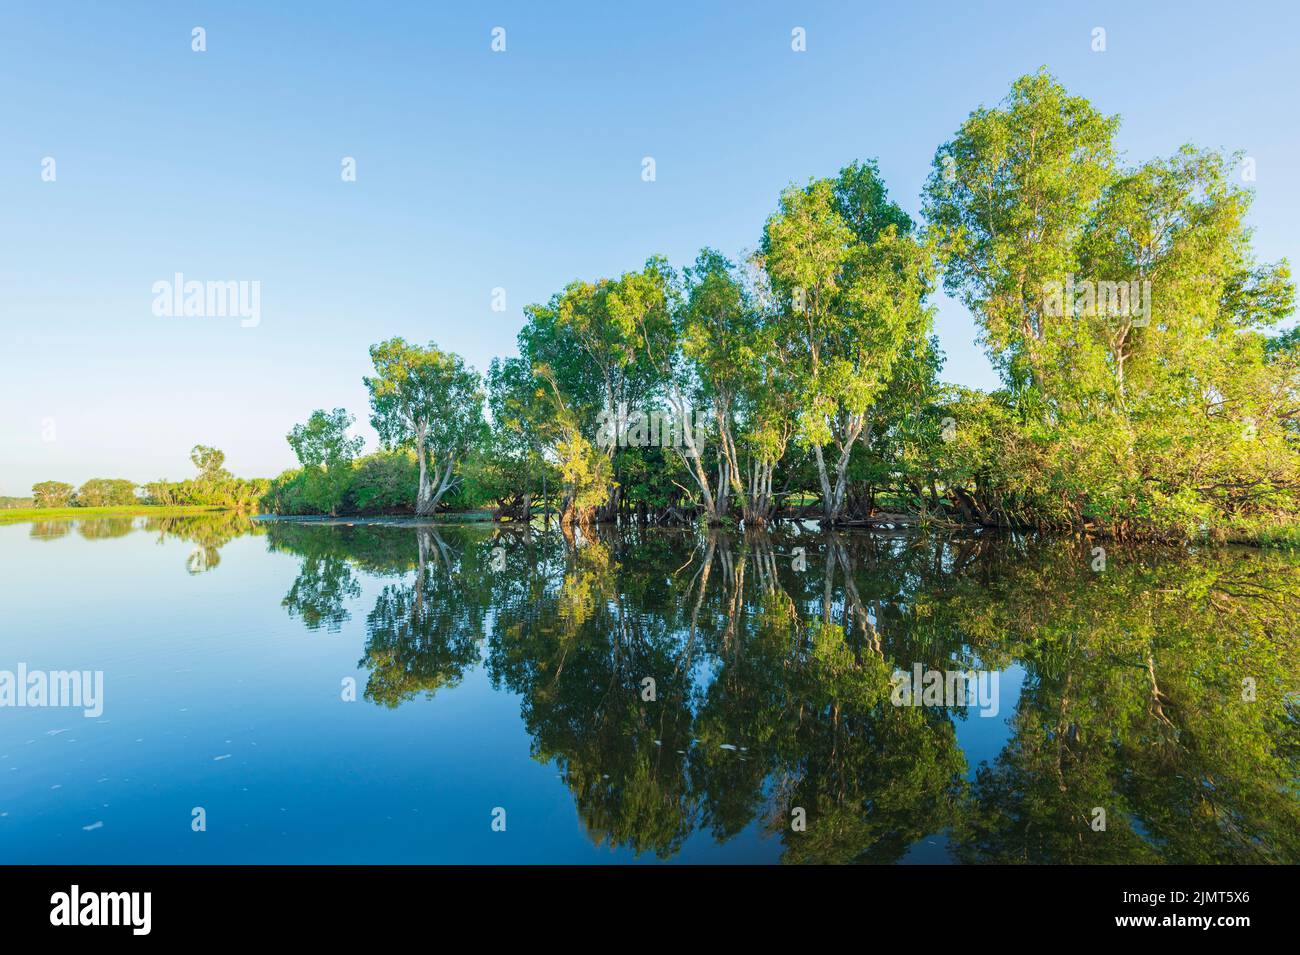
column 477, row 170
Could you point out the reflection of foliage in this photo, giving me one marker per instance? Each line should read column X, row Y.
column 330, row 554
column 874, row 778
column 423, row 632
column 578, row 654
column 319, row 592
column 50, row 530
column 105, row 528
column 407, row 653
column 424, row 635
column 772, row 685
column 375, row 549
column 208, row 532
column 1135, row 705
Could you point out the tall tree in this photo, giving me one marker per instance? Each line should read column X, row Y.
column 1007, row 200
column 429, row 400
column 852, row 281
column 52, row 494
column 106, row 492
column 597, row 342
column 738, row 374
column 1128, row 317
column 522, row 429
column 210, row 463
column 325, row 452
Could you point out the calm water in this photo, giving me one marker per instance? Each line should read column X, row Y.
column 505, row 671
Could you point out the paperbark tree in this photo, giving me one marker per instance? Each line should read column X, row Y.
column 852, row 282
column 325, row 452
column 426, row 399
column 1007, row 200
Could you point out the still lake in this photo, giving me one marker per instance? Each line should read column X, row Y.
column 1136, row 706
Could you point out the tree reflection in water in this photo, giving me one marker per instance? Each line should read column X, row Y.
column 772, row 684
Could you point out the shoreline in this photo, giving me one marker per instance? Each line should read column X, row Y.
column 18, row 514
column 1282, row 537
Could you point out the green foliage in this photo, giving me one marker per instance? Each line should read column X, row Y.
column 378, row 483
column 1172, row 417
column 106, row 492
column 773, row 685
column 53, row 494
column 382, row 482
column 1169, row 411
column 325, row 453
column 209, row 462
column 1007, row 200
column 213, row 487
column 426, row 399
column 852, row 282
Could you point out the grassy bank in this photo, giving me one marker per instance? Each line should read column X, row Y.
column 1284, row 536
column 14, row 515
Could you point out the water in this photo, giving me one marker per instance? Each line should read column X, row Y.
column 500, row 670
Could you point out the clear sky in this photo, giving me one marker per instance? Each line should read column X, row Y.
column 477, row 170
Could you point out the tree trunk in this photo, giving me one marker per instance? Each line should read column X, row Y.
column 828, row 507
column 426, row 497
column 424, row 491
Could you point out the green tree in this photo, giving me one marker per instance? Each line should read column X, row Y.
column 599, row 345
column 852, row 281
column 210, row 463
column 325, row 452
column 523, row 429
column 106, row 492
column 426, row 399
column 1128, row 317
column 1007, row 200
column 718, row 331
column 382, row 481
column 52, row 494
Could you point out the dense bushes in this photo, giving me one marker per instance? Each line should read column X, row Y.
column 53, row 494
column 106, row 492
column 232, row 492
column 379, row 483
column 214, row 487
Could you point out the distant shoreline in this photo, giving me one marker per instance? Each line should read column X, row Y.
column 1283, row 537
column 16, row 514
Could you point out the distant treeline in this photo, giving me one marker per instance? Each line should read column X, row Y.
column 213, row 487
